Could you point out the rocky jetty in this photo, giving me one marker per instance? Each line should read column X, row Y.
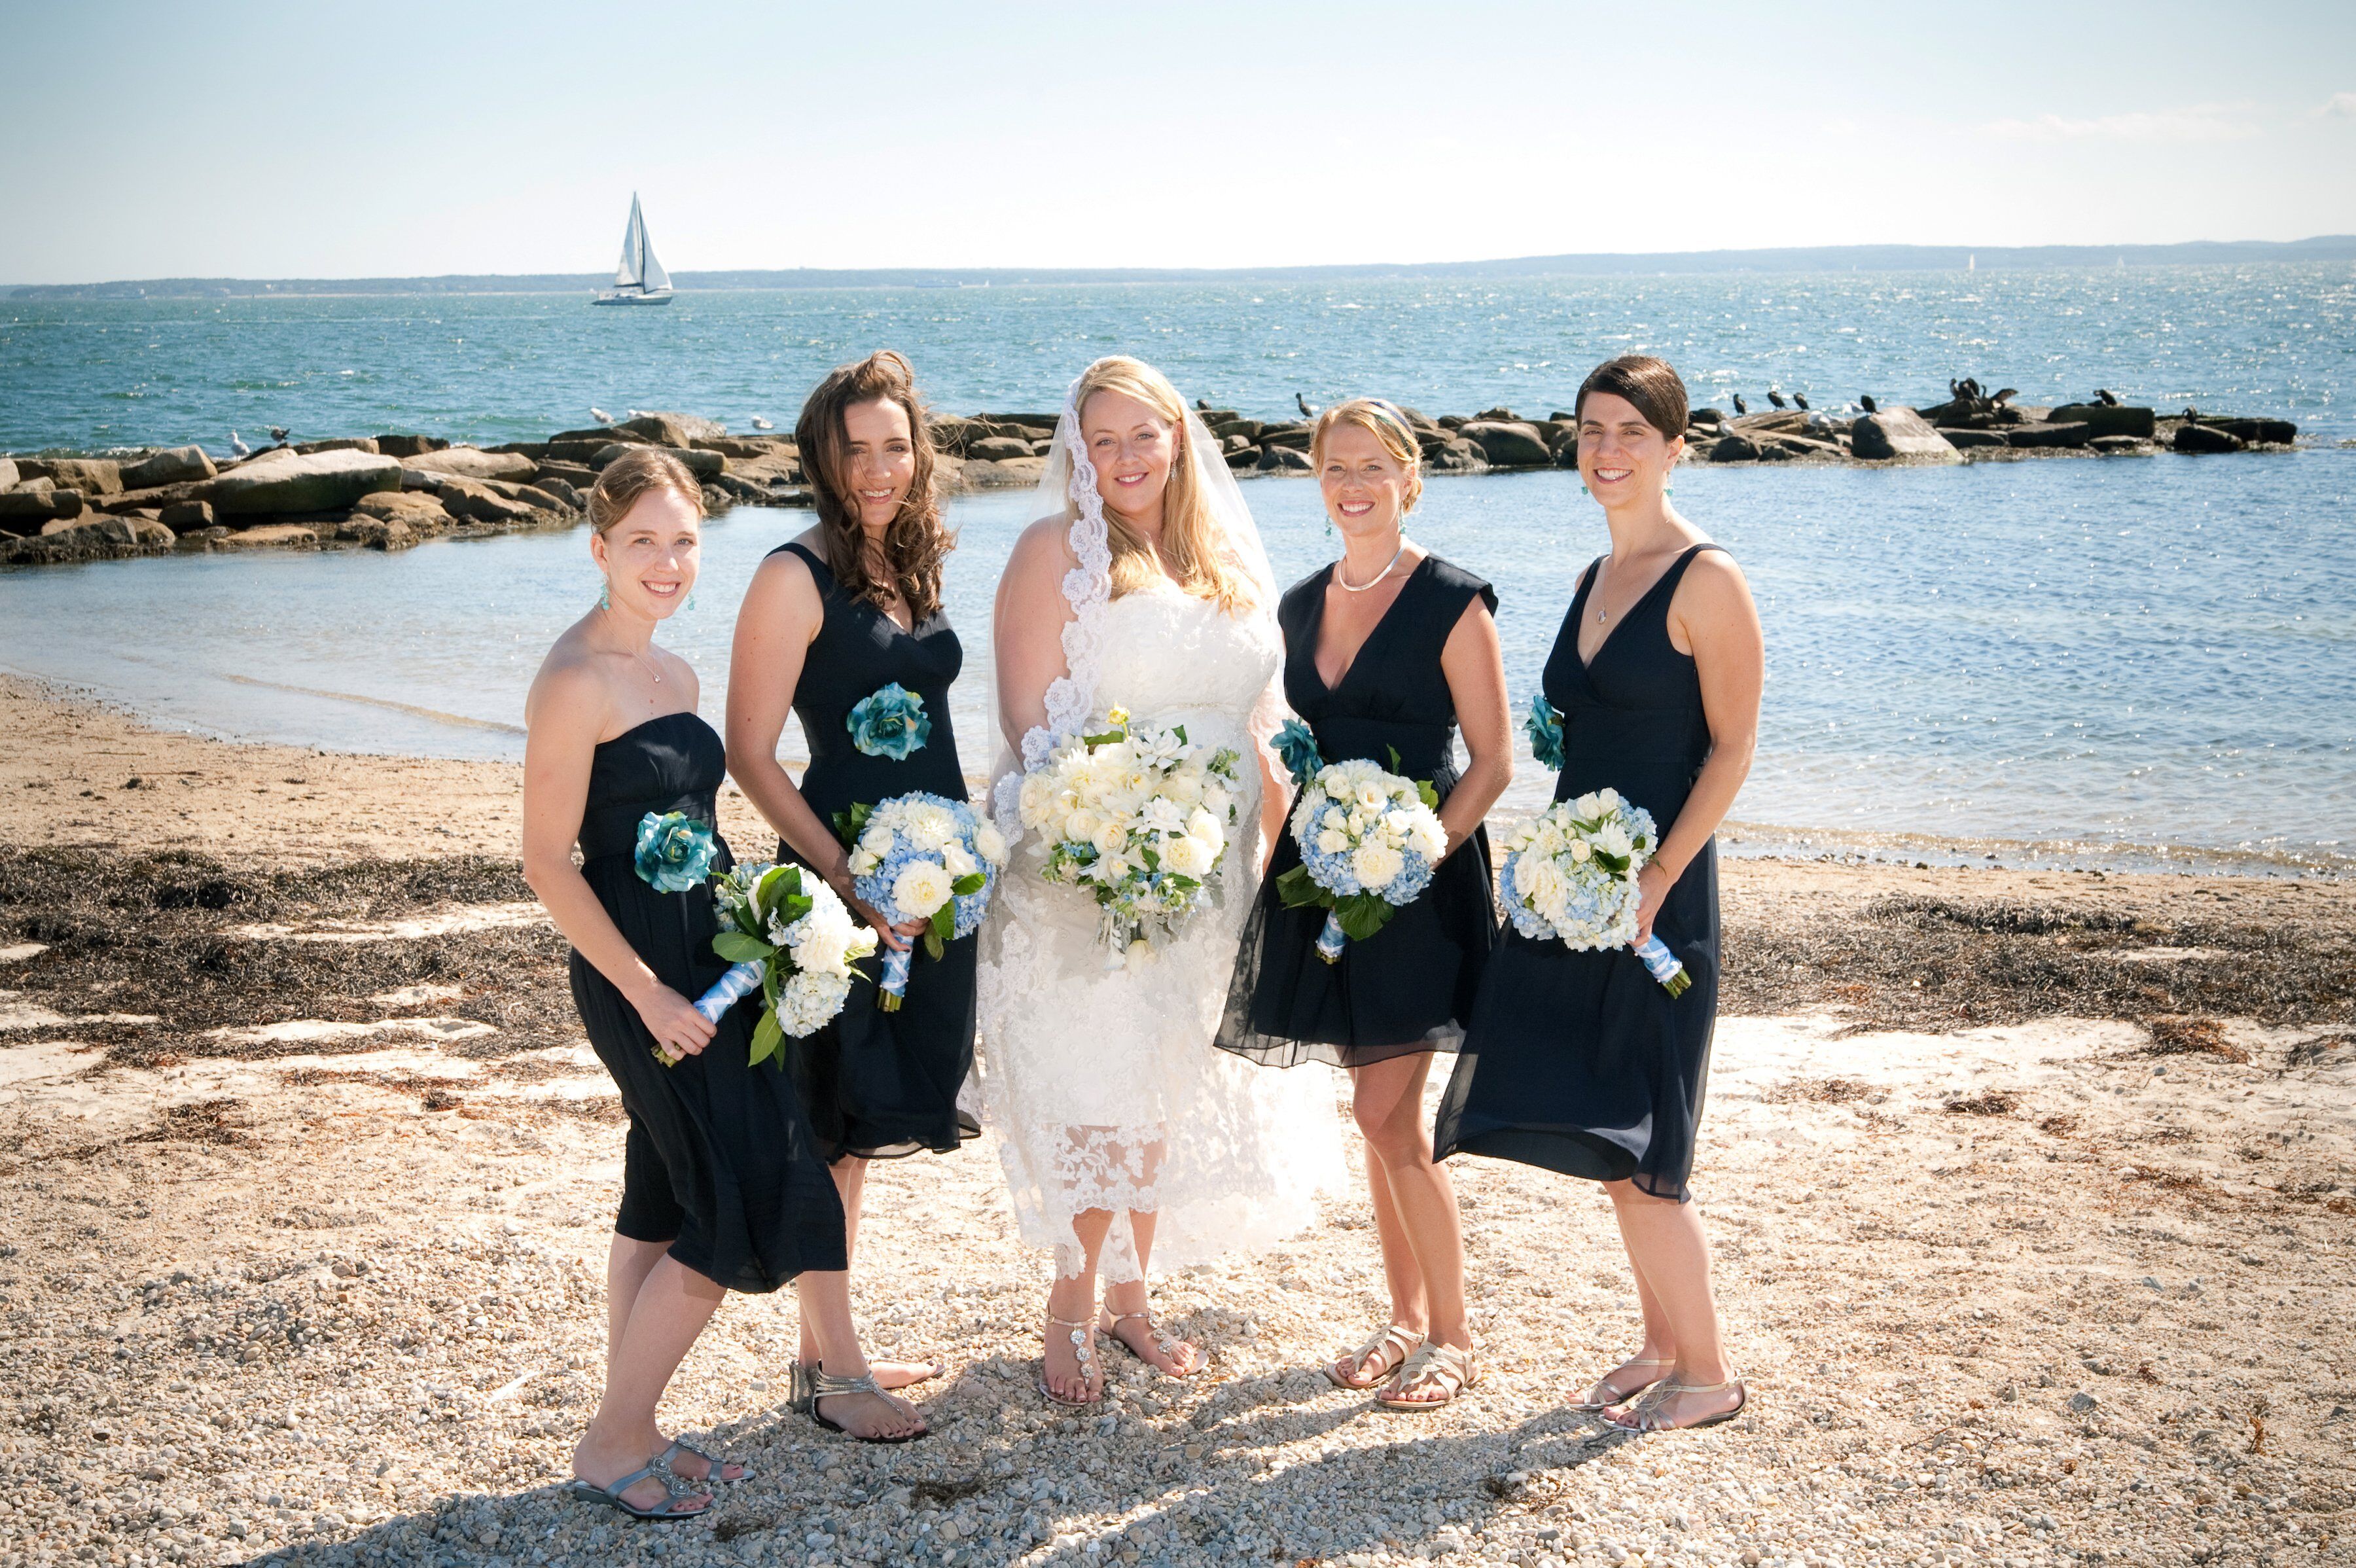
column 391, row 491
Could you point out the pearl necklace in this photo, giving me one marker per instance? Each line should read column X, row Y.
column 1349, row 588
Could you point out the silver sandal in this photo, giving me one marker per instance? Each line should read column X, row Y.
column 1590, row 1403
column 1084, row 1351
column 1648, row 1414
column 670, row 1512
column 824, row 1384
column 713, row 1476
column 1163, row 1340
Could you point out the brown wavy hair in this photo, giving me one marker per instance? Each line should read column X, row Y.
column 916, row 541
column 632, row 475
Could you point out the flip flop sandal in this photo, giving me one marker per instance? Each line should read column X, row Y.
column 1083, row 1351
column 1442, row 1367
column 824, row 1384
column 712, row 1477
column 1162, row 1339
column 1590, row 1403
column 1396, row 1346
column 673, row 1489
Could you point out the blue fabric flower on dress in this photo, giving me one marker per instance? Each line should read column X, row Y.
column 1545, row 727
column 891, row 723
column 1296, row 747
column 674, row 851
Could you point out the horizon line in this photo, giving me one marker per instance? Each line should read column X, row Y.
column 1786, row 258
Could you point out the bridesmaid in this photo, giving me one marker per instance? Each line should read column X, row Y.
column 721, row 1186
column 1388, row 646
column 1580, row 1062
column 851, row 607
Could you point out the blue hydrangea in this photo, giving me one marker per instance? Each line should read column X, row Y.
column 1337, row 874
column 890, row 721
column 674, row 851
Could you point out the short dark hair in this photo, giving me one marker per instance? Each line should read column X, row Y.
column 1650, row 383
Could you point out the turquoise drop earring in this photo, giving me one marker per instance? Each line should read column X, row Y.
column 690, row 600
column 605, row 595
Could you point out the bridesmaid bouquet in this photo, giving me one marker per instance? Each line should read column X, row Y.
column 1139, row 817
column 788, row 936
column 1571, row 874
column 921, row 856
column 1368, row 842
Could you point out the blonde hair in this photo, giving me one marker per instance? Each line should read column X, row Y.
column 631, row 476
column 1386, row 424
column 1190, row 530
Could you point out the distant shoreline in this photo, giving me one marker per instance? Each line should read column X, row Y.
column 1782, row 259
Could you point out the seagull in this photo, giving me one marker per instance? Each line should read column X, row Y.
column 278, row 434
column 238, row 447
column 1775, row 397
column 600, row 415
column 1865, row 401
column 1801, row 399
column 760, row 424
column 1741, row 406
column 1303, row 402
column 2106, row 397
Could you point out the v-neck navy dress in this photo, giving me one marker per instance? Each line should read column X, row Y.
column 1410, row 987
column 880, row 1085
column 719, row 1160
column 1579, row 1061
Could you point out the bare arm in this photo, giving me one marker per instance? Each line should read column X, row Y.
column 564, row 716
column 1027, row 628
column 1475, row 668
column 781, row 616
column 1712, row 607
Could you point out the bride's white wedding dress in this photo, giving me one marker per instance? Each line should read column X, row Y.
column 1102, row 1086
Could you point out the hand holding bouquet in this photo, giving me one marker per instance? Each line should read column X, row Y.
column 1369, row 842
column 1571, row 874
column 1139, row 818
column 921, row 856
column 790, row 937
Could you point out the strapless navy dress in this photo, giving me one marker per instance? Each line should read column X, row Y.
column 1579, row 1061
column 720, row 1161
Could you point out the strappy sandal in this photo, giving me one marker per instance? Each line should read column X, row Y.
column 712, row 1477
column 1591, row 1404
column 1084, row 1351
column 1162, row 1339
column 824, row 1385
column 1395, row 1346
column 1649, row 1416
column 674, row 1489
column 1443, row 1367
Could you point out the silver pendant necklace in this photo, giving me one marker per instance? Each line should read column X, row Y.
column 1349, row 588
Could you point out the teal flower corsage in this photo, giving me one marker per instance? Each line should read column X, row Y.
column 1545, row 727
column 892, row 723
column 1296, row 747
column 674, row 851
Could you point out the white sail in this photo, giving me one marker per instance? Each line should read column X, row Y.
column 652, row 273
column 633, row 269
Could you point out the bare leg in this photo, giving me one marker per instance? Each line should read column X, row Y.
column 1388, row 1102
column 1671, row 1255
column 849, row 1175
column 628, row 1264
column 667, row 1312
column 1073, row 1298
column 1129, row 1297
column 825, row 1314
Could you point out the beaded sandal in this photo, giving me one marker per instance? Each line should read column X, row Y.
column 666, row 1512
column 1162, row 1339
column 712, row 1477
column 1603, row 1384
column 825, row 1385
column 1389, row 1350
column 1084, row 1351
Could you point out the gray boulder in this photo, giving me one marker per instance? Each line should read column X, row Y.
column 1734, row 449
column 184, row 517
column 1458, row 457
column 702, row 464
column 25, row 510
column 1508, row 445
column 2107, row 419
column 8, row 475
column 423, row 514
column 998, row 449
column 1283, row 460
column 409, row 446
column 2039, row 433
column 95, row 540
column 1295, row 436
column 2116, row 445
column 475, row 501
column 180, row 466
column 673, row 429
column 324, row 481
column 336, row 444
column 2190, row 437
column 473, row 463
column 272, row 536
column 90, row 476
column 1964, row 440
column 2254, row 431
column 1900, row 433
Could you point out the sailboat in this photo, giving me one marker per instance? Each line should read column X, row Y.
column 640, row 279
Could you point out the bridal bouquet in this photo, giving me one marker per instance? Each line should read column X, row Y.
column 1368, row 842
column 921, row 856
column 1571, row 874
column 788, row 936
column 1139, row 817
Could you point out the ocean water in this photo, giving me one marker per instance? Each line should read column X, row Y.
column 2124, row 662
column 2276, row 339
column 2119, row 662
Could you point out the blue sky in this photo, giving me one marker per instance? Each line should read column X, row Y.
column 336, row 140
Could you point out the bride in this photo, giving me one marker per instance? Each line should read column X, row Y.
column 1126, row 1137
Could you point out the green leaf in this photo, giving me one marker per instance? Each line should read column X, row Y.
column 1094, row 741
column 796, row 906
column 767, row 1036
column 935, row 947
column 1152, row 857
column 1300, row 890
column 1362, row 914
column 944, row 924
column 738, row 948
column 967, row 886
column 1395, row 761
column 849, row 824
column 1427, row 794
column 1180, row 731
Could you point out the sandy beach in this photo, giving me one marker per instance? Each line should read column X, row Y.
column 2033, row 1196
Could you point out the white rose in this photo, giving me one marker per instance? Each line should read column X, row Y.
column 1580, row 852
column 1427, row 837
column 1588, row 806
column 1370, row 796
column 1184, row 787
column 877, row 840
column 1205, row 826
column 1038, row 788
column 1333, row 842
column 958, row 862
column 1396, row 825
column 1607, row 799
column 1217, row 798
column 1111, row 837
column 1189, row 856
column 1081, row 826
column 1111, row 868
column 988, row 843
column 863, row 861
column 1537, row 882
column 1376, row 865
